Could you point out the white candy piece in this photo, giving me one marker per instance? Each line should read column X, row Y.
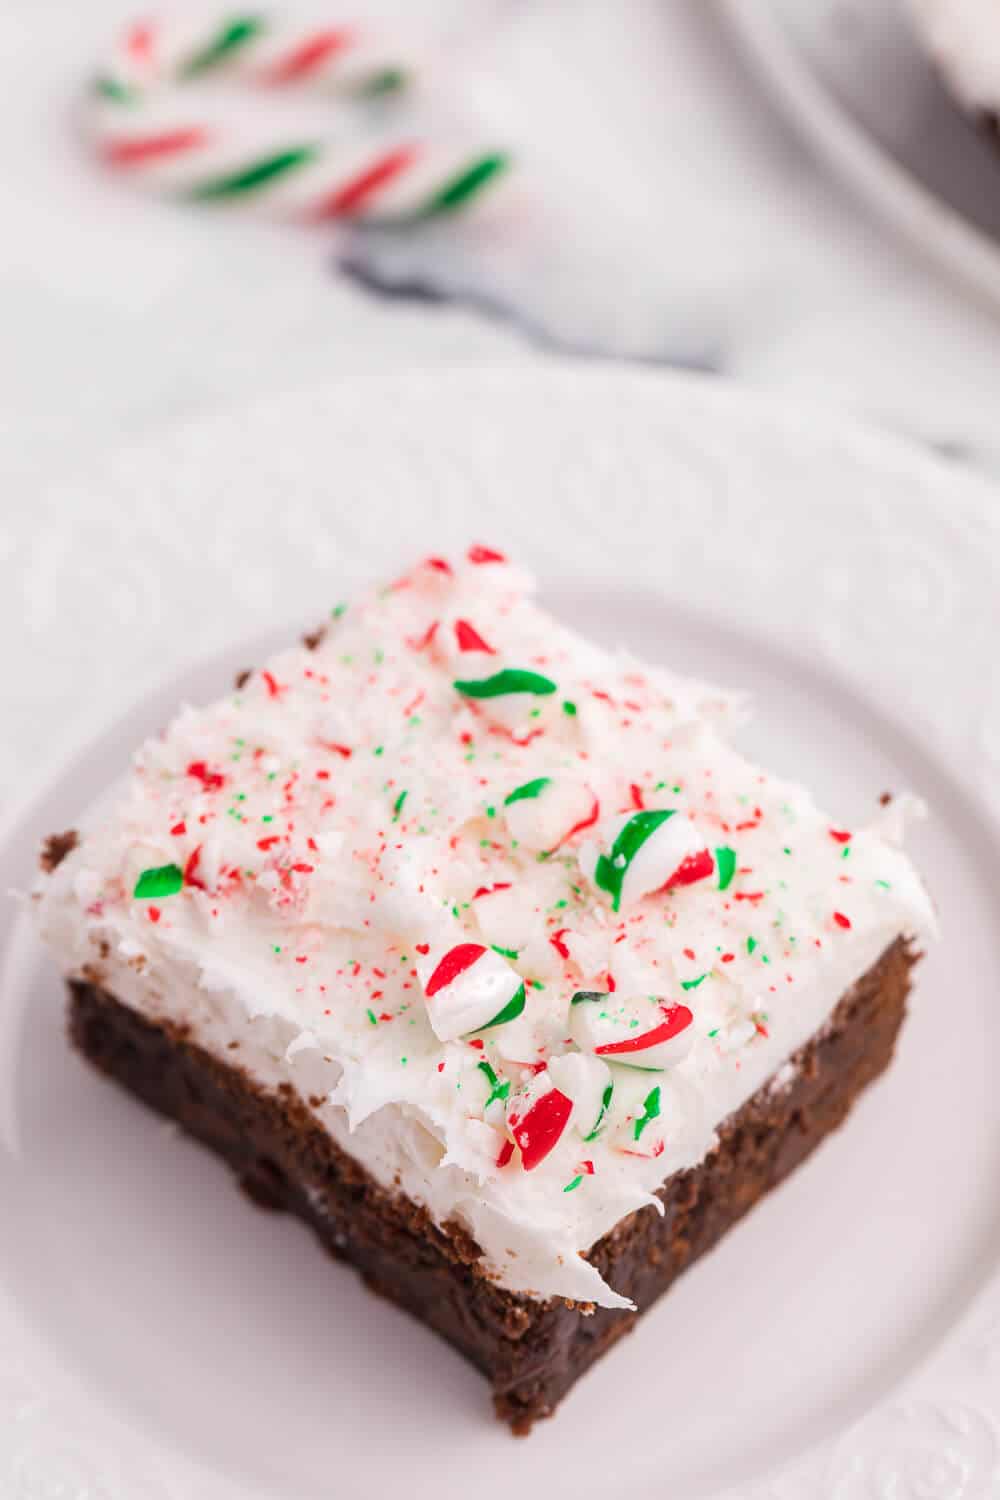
column 642, row 852
column 467, row 987
column 587, row 1082
column 637, row 1031
column 541, row 813
column 508, row 917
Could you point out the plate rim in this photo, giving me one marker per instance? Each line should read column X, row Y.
column 932, row 229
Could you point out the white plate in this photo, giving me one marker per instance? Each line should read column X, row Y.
column 853, row 76
column 160, row 1339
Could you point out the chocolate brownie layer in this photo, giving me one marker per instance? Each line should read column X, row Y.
column 532, row 1352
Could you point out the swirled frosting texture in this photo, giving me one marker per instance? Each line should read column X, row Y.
column 507, row 908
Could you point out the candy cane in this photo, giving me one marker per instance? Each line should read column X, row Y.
column 138, row 131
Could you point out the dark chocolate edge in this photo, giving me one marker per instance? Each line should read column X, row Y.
column 531, row 1351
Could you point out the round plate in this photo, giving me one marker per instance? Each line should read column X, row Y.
column 162, row 1339
column 908, row 149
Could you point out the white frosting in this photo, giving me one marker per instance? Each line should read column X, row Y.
column 964, row 38
column 346, row 826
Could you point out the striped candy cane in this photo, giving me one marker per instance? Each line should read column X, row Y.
column 144, row 124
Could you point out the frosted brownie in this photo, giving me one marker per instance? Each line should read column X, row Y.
column 484, row 951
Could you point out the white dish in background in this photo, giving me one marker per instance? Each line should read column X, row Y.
column 855, row 79
column 160, row 1339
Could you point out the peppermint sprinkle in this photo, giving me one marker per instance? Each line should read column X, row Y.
column 154, row 884
column 510, row 680
column 529, row 791
column 650, row 1111
column 725, row 863
column 498, row 1090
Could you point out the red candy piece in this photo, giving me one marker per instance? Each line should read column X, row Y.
column 557, row 942
column 587, row 822
column 538, row 1131
column 419, row 642
column 455, row 962
column 210, row 780
column 479, row 554
column 505, row 1153
column 696, row 867
column 469, row 639
column 191, row 876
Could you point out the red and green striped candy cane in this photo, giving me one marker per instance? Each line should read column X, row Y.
column 637, row 1031
column 259, row 48
column 146, row 125
column 468, row 987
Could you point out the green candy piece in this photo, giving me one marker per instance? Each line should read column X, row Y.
column 650, row 1111
column 498, row 1090
column 510, row 680
column 583, row 997
column 164, row 880
column 725, row 863
column 510, row 1012
column 529, row 791
column 605, row 1106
